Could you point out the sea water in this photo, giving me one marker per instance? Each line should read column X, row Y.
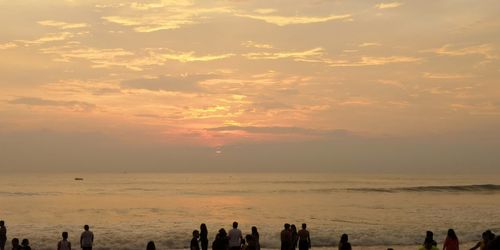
column 127, row 210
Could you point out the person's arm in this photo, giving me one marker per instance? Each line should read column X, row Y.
column 476, row 246
column 69, row 245
column 445, row 244
column 92, row 238
column 59, row 245
column 81, row 240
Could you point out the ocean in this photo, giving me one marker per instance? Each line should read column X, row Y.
column 127, row 210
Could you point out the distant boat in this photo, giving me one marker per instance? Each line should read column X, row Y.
column 78, row 179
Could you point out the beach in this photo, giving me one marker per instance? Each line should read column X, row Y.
column 126, row 210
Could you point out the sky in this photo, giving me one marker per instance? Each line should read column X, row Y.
column 247, row 85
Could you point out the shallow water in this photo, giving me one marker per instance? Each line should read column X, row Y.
column 127, row 210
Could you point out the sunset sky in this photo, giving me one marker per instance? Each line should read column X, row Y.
column 241, row 85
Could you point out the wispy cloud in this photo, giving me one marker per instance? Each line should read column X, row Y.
column 137, row 61
column 290, row 20
column 374, row 61
column 265, row 11
column 190, row 56
column 52, row 37
column 185, row 83
column 35, row 101
column 173, row 18
column 8, row 45
column 445, row 76
column 62, row 25
column 297, row 55
column 252, row 44
column 390, row 5
column 485, row 50
column 367, row 44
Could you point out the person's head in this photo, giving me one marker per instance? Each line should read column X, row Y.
column 304, row 226
column 15, row 242
column 2, row 223
column 429, row 235
column 151, row 246
column 65, row 235
column 491, row 235
column 293, row 227
column 86, row 227
column 203, row 227
column 484, row 235
column 25, row 242
column 235, row 224
column 196, row 234
column 222, row 232
column 254, row 230
column 451, row 234
column 286, row 226
column 344, row 238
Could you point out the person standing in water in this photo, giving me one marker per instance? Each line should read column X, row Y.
column 204, row 236
column 304, row 238
column 3, row 235
column 87, row 239
column 451, row 241
column 64, row 244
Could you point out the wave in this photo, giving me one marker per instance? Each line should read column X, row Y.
column 457, row 188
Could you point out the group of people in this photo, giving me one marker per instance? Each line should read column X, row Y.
column 488, row 242
column 234, row 240
column 86, row 240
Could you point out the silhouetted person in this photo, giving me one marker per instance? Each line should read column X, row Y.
column 429, row 235
column 494, row 244
column 15, row 244
column 194, row 241
column 304, row 238
column 151, row 246
column 256, row 237
column 482, row 243
column 250, row 242
column 451, row 241
column 64, row 244
column 87, row 238
column 235, row 237
column 221, row 241
column 204, row 236
column 3, row 235
column 429, row 243
column 295, row 237
column 286, row 238
column 344, row 243
column 25, row 243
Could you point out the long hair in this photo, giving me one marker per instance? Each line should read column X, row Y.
column 451, row 234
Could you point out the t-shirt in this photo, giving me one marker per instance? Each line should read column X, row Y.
column 234, row 237
column 87, row 238
column 64, row 245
